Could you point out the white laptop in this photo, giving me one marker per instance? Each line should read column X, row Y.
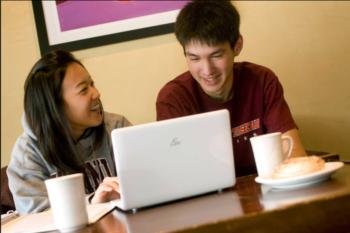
column 173, row 159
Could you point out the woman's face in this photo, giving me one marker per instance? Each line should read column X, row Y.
column 81, row 100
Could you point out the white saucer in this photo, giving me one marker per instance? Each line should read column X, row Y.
column 301, row 181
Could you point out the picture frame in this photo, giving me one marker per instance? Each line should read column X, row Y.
column 138, row 24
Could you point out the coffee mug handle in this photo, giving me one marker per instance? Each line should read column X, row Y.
column 289, row 140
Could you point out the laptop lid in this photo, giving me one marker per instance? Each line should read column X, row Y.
column 171, row 159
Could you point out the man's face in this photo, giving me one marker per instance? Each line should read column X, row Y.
column 212, row 67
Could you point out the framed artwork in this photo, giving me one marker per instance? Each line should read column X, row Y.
column 74, row 25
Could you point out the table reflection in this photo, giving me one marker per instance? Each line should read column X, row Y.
column 183, row 214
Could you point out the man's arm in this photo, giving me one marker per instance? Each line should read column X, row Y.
column 172, row 102
column 298, row 148
column 167, row 111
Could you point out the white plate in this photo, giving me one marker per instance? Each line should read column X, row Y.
column 301, row 181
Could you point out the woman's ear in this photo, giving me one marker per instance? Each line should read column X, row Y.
column 238, row 46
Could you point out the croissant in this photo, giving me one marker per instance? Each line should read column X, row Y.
column 298, row 166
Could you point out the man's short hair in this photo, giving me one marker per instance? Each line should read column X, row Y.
column 209, row 22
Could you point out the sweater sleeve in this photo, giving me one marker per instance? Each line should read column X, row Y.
column 27, row 172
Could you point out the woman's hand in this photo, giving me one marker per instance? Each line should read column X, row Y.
column 107, row 190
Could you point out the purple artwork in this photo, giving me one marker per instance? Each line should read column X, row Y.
column 78, row 14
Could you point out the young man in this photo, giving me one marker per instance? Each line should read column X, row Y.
column 209, row 34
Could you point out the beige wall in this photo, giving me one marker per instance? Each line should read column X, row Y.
column 305, row 43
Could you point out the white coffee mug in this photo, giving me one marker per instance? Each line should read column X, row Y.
column 67, row 200
column 268, row 153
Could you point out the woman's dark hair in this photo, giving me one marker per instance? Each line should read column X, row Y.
column 43, row 106
column 209, row 22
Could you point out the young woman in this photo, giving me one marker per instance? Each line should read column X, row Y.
column 65, row 131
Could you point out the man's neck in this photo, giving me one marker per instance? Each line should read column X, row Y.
column 226, row 94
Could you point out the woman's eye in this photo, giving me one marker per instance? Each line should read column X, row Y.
column 83, row 90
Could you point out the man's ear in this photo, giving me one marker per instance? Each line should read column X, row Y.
column 238, row 46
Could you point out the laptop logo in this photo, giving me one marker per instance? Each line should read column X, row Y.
column 175, row 142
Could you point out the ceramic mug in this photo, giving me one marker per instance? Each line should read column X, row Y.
column 268, row 152
column 67, row 200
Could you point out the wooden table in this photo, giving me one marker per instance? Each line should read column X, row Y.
column 248, row 207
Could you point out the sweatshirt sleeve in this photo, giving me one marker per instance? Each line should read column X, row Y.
column 27, row 172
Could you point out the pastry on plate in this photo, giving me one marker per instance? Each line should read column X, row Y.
column 298, row 166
